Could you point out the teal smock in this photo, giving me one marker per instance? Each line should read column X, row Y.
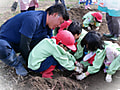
column 88, row 18
column 79, row 53
column 112, row 7
column 48, row 47
column 100, row 57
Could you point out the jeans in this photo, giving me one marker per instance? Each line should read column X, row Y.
column 47, row 63
column 7, row 54
column 87, row 2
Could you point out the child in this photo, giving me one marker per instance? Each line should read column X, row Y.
column 100, row 52
column 25, row 5
column 46, row 55
column 63, row 26
column 92, row 18
column 87, row 6
column 76, row 29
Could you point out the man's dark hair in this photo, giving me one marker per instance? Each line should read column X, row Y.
column 60, row 9
column 93, row 40
column 75, row 28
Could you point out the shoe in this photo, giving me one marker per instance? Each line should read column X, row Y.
column 68, row 9
column 20, row 70
column 108, row 78
column 89, row 7
column 86, row 7
column 14, row 6
column 114, row 38
column 108, row 35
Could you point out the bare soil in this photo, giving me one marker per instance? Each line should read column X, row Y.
column 62, row 80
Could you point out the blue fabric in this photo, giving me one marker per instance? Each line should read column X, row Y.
column 103, row 9
column 115, row 13
column 47, row 63
column 87, row 2
column 5, row 49
column 7, row 54
column 32, row 24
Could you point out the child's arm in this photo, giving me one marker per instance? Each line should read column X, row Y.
column 82, row 76
column 97, row 63
column 36, row 3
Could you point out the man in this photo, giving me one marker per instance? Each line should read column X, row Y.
column 22, row 32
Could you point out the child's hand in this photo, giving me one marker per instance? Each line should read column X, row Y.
column 97, row 28
column 78, row 69
column 89, row 28
column 79, row 64
column 82, row 76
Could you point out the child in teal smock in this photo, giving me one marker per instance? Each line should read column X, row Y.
column 106, row 52
column 76, row 29
column 92, row 18
column 46, row 55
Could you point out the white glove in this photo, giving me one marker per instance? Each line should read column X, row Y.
column 108, row 78
column 81, row 76
column 97, row 28
column 78, row 69
column 89, row 28
column 79, row 65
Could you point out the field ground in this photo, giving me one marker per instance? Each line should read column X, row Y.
column 62, row 81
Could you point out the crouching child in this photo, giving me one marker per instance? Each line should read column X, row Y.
column 50, row 53
column 100, row 53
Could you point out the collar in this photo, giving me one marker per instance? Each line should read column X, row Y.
column 44, row 19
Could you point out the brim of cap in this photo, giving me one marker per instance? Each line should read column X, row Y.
column 72, row 47
column 99, row 20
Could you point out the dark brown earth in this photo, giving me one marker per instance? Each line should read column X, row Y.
column 61, row 80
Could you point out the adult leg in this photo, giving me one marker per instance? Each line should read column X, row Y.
column 87, row 2
column 23, row 11
column 31, row 8
column 63, row 2
column 110, row 26
column 8, row 56
column 56, row 1
column 109, row 23
column 116, row 26
column 90, row 2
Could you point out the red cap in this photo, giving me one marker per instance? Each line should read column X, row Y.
column 98, row 16
column 66, row 38
column 65, row 25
